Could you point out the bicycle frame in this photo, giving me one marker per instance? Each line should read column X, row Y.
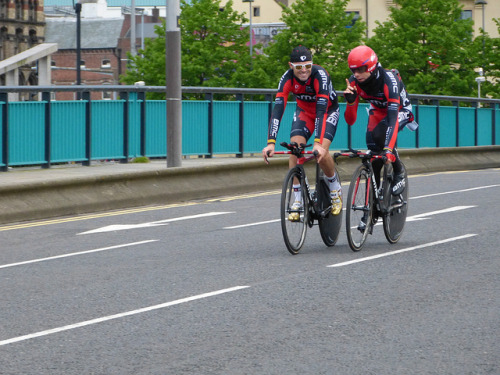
column 317, row 204
column 301, row 153
column 375, row 200
column 367, row 160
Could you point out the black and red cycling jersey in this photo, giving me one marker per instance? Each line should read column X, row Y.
column 316, row 97
column 387, row 96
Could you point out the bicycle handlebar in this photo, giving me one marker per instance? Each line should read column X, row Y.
column 359, row 154
column 295, row 149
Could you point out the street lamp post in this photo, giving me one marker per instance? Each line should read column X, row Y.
column 480, row 80
column 250, row 15
column 78, row 11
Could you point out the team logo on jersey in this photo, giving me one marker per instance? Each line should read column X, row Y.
column 306, row 98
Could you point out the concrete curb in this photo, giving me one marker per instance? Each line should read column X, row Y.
column 84, row 194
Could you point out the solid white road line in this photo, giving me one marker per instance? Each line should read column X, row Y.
column 74, row 254
column 409, row 218
column 252, row 224
column 444, row 211
column 402, row 250
column 117, row 316
column 455, row 191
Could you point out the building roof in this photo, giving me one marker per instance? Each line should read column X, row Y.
column 149, row 30
column 95, row 32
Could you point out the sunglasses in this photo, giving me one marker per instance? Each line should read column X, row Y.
column 360, row 70
column 302, row 66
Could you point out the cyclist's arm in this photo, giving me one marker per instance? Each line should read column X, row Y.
column 391, row 90
column 284, row 89
column 351, row 111
column 322, row 86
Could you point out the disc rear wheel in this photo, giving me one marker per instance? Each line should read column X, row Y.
column 397, row 208
column 329, row 225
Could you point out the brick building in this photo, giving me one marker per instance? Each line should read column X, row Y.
column 22, row 26
column 104, row 45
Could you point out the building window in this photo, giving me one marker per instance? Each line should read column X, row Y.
column 356, row 17
column 33, row 39
column 256, row 11
column 3, row 8
column 32, row 5
column 18, row 40
column 82, row 64
column 106, row 95
column 19, row 10
column 466, row 15
column 3, row 37
column 106, row 64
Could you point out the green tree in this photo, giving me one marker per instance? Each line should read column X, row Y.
column 213, row 43
column 430, row 45
column 324, row 27
column 487, row 51
column 149, row 64
column 213, row 47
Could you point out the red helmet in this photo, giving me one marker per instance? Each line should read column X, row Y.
column 362, row 56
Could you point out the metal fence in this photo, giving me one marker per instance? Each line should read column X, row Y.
column 47, row 131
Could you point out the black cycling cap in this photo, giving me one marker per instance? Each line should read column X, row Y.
column 300, row 54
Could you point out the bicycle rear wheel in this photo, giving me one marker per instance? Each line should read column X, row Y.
column 397, row 207
column 294, row 222
column 329, row 225
column 359, row 208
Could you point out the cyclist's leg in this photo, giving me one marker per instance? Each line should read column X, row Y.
column 375, row 140
column 328, row 165
column 299, row 134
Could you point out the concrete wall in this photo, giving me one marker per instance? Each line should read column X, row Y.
column 49, row 193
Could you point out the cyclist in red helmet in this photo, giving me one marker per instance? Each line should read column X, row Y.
column 389, row 111
column 317, row 113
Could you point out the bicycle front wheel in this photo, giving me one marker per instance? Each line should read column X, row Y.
column 294, row 219
column 397, row 207
column 329, row 225
column 359, row 208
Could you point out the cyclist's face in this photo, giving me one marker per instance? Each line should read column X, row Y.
column 302, row 70
column 361, row 74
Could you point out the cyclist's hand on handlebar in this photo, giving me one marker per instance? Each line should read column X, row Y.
column 268, row 152
column 350, row 93
column 390, row 157
column 321, row 152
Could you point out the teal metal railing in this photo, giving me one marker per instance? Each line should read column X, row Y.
column 46, row 132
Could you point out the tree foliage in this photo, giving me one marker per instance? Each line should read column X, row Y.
column 426, row 40
column 213, row 48
column 213, row 43
column 324, row 27
column 429, row 44
column 487, row 51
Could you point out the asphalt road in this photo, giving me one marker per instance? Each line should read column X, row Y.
column 208, row 287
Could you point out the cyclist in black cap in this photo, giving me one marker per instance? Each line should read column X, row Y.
column 317, row 112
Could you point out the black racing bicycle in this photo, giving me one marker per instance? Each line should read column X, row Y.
column 316, row 205
column 369, row 199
